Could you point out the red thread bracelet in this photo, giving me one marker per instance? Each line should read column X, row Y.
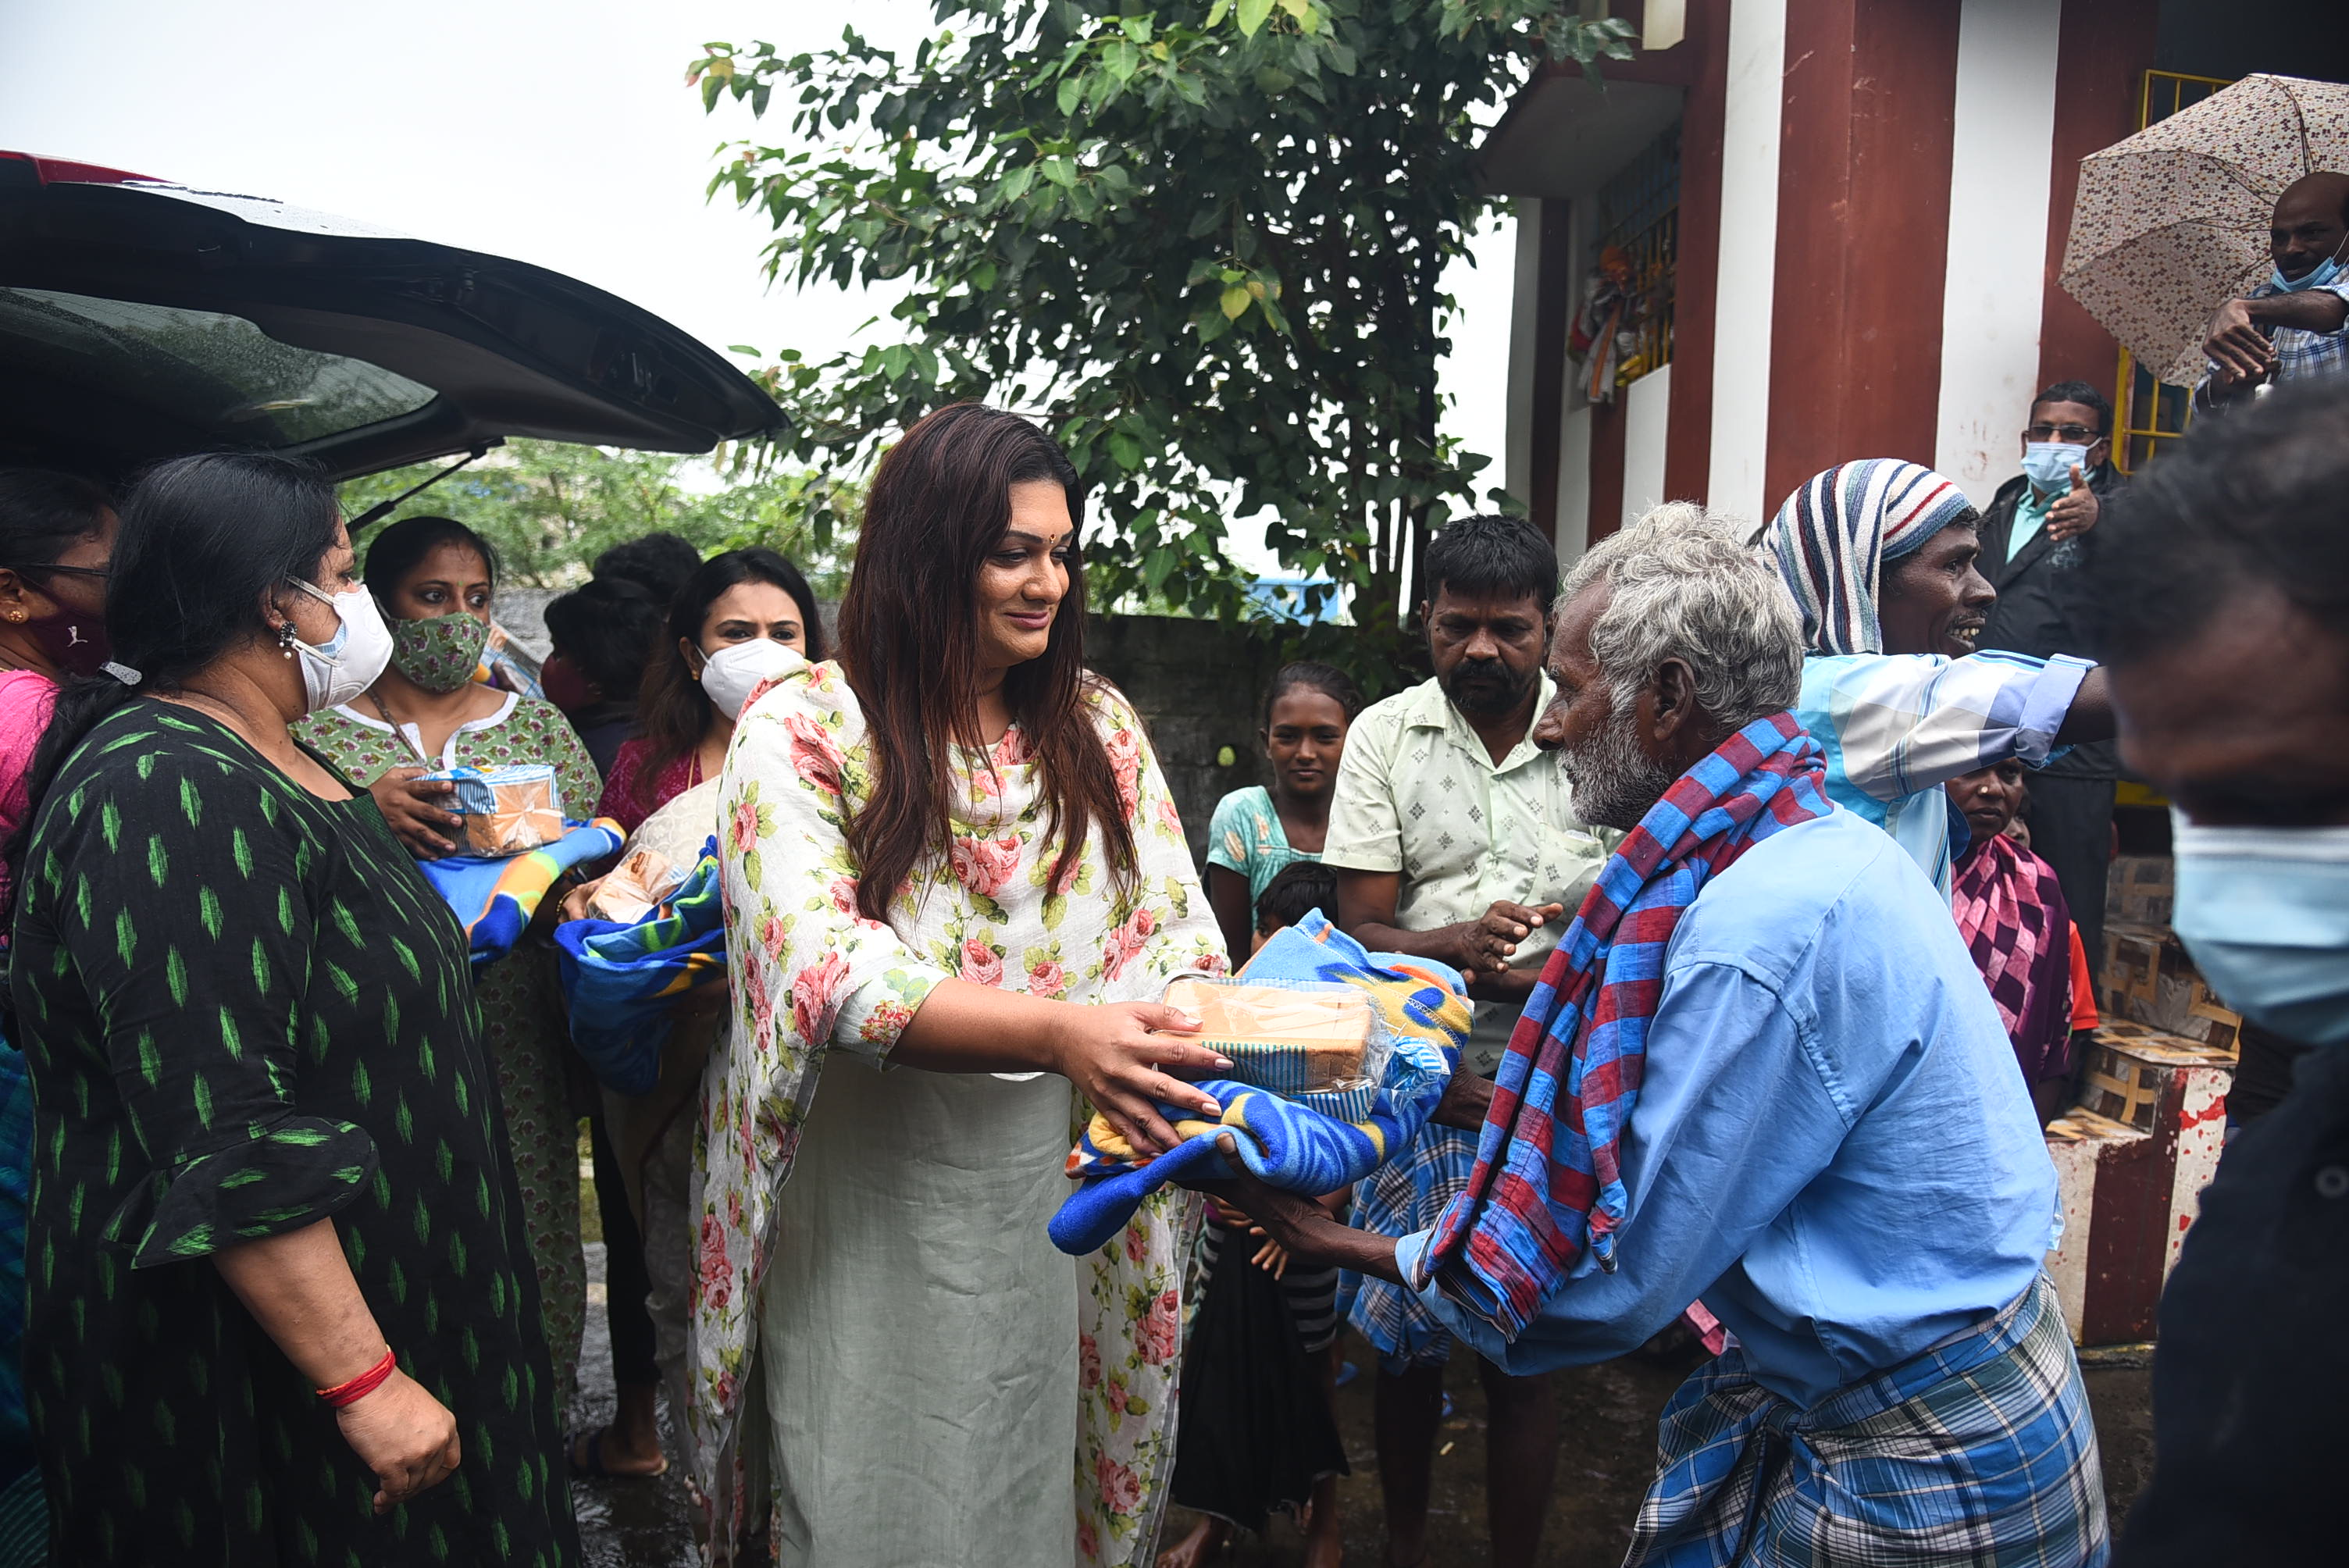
column 360, row 1387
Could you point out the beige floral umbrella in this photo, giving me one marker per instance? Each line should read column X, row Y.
column 2173, row 221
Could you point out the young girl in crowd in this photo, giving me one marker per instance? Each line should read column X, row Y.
column 56, row 533
column 432, row 579
column 605, row 634
column 951, row 850
column 1259, row 1435
column 742, row 596
column 284, row 1311
column 1255, row 831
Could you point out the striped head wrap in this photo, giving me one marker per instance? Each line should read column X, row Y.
column 1833, row 535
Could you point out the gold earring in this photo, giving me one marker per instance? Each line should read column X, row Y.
column 15, row 617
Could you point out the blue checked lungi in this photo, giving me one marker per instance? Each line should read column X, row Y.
column 1978, row 1453
column 1405, row 1195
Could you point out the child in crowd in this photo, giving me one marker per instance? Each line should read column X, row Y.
column 1259, row 1431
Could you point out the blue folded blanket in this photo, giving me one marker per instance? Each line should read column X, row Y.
column 495, row 898
column 1424, row 1005
column 623, row 977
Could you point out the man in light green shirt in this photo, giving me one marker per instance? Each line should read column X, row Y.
column 1452, row 837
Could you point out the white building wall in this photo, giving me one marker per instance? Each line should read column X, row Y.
column 1749, row 225
column 1647, row 409
column 1998, row 238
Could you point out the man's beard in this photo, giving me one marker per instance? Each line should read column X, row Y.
column 1487, row 689
column 1615, row 783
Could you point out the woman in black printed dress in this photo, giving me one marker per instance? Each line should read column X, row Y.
column 280, row 1307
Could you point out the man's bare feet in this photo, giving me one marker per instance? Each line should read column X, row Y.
column 630, row 1446
column 1206, row 1538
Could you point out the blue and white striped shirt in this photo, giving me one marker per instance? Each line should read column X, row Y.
column 1898, row 727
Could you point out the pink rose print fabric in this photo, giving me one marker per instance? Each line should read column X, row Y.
column 811, row 976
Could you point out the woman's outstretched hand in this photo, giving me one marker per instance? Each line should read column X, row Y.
column 404, row 1435
column 407, row 800
column 1127, row 1056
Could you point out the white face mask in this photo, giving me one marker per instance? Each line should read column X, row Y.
column 342, row 667
column 732, row 673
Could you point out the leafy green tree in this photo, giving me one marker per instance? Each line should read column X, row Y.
column 1203, row 241
column 549, row 508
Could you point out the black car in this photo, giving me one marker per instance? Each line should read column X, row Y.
column 140, row 319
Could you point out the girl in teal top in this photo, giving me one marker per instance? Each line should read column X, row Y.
column 1255, row 831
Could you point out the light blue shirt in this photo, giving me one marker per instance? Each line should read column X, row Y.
column 1898, row 727
column 2031, row 510
column 1832, row 1149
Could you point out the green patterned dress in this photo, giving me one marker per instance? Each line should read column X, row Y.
column 521, row 998
column 245, row 1011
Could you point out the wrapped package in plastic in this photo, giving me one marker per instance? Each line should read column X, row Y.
column 1301, row 1039
column 506, row 810
column 636, row 887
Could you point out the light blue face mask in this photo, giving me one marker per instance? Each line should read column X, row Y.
column 2325, row 271
column 2265, row 913
column 2048, row 464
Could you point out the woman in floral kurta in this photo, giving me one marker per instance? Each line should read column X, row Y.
column 890, row 1309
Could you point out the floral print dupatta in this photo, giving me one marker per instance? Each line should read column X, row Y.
column 811, row 974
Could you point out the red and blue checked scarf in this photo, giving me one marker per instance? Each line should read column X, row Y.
column 1548, row 1179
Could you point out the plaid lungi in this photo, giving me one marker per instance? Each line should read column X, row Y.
column 1406, row 1194
column 1978, row 1453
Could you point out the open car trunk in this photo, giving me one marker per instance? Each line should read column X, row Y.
column 140, row 320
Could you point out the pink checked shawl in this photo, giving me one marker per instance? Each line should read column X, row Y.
column 2011, row 913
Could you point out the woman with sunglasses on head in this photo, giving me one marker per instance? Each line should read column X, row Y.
column 951, row 850
column 433, row 579
column 284, row 1311
column 56, row 532
column 722, row 632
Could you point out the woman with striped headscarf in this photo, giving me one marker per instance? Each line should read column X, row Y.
column 1880, row 556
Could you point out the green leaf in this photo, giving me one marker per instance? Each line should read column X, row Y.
column 1071, row 93
column 1253, row 14
column 1274, row 81
column 1307, row 18
column 1235, row 303
column 1015, row 184
column 1122, row 59
column 1215, row 15
column 1061, row 171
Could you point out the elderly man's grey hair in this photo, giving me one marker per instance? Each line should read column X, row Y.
column 1685, row 588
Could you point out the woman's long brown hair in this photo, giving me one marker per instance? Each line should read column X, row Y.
column 940, row 503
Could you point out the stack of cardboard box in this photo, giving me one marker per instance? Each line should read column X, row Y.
column 2133, row 1155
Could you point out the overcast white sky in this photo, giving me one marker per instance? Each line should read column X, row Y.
column 557, row 131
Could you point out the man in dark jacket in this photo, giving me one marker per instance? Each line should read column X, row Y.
column 2038, row 535
column 2223, row 608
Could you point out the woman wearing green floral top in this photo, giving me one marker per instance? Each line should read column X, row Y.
column 1255, row 831
column 433, row 577
column 951, row 850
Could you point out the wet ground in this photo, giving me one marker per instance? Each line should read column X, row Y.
column 1606, row 1455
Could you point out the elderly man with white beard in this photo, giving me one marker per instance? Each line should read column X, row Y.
column 1759, row 1072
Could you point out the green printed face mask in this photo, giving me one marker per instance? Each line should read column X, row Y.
column 440, row 654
